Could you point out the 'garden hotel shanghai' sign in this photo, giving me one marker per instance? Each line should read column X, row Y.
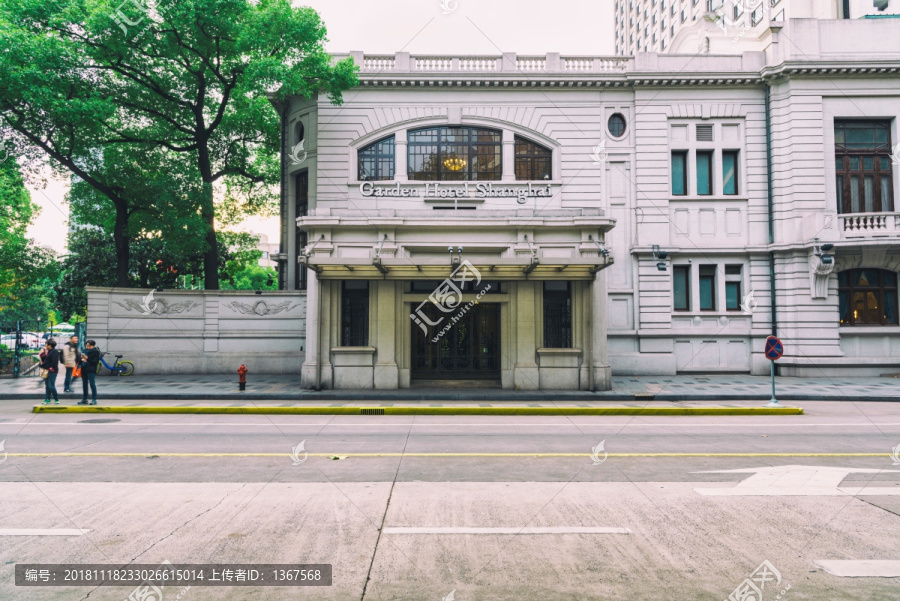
column 479, row 190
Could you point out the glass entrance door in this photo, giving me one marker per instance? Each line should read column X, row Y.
column 469, row 350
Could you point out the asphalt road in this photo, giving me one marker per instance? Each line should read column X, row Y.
column 486, row 507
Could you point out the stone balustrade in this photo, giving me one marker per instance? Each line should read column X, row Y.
column 863, row 225
column 404, row 62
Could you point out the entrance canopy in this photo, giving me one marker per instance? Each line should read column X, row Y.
column 429, row 245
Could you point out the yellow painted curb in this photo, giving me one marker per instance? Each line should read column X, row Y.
column 423, row 410
column 363, row 455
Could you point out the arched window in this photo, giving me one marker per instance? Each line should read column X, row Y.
column 533, row 161
column 376, row 161
column 454, row 154
column 867, row 297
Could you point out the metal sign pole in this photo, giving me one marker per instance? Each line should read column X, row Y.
column 773, row 402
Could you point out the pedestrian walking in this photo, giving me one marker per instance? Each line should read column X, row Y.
column 71, row 358
column 50, row 363
column 90, row 359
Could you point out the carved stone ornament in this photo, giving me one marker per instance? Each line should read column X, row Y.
column 260, row 308
column 819, row 273
column 156, row 306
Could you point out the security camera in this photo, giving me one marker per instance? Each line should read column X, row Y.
column 662, row 255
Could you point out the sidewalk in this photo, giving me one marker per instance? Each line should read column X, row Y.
column 625, row 388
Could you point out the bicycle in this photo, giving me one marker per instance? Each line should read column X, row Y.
column 119, row 368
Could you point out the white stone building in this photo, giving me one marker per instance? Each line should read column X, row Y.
column 631, row 215
column 704, row 25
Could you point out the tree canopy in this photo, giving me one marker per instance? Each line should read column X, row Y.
column 88, row 82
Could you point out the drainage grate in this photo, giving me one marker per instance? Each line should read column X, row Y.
column 644, row 397
column 98, row 421
column 371, row 411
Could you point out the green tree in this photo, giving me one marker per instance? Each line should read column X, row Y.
column 25, row 268
column 190, row 76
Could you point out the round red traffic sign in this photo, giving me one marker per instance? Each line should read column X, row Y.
column 774, row 348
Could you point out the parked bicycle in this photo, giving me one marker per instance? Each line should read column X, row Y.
column 119, row 368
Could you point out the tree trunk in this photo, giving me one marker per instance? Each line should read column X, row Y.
column 211, row 257
column 120, row 238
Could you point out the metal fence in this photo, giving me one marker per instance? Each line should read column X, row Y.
column 22, row 341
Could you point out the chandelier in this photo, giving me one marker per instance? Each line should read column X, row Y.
column 455, row 163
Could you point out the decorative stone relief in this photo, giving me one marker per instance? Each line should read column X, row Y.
column 261, row 308
column 156, row 306
column 819, row 273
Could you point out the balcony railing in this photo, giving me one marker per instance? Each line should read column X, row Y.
column 863, row 225
column 403, row 62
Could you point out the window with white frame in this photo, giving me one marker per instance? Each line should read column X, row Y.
column 714, row 287
column 705, row 159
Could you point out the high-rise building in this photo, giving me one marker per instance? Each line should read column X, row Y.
column 724, row 26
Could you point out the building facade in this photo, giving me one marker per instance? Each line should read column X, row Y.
column 545, row 222
column 692, row 25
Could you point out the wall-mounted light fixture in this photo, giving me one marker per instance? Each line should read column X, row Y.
column 660, row 256
column 823, row 252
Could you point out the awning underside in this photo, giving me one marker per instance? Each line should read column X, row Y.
column 556, row 268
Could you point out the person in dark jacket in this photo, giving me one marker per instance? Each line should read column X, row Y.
column 50, row 362
column 90, row 359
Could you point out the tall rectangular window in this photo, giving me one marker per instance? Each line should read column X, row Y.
column 557, row 315
column 730, row 172
column 301, row 208
column 863, row 166
column 704, row 172
column 355, row 313
column 681, row 287
column 679, row 173
column 733, row 282
column 707, row 283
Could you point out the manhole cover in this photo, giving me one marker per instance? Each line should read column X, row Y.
column 98, row 421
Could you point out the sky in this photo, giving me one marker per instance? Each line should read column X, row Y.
column 461, row 27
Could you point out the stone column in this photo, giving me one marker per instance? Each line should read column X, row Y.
column 599, row 360
column 386, row 371
column 509, row 156
column 526, row 375
column 400, row 168
column 308, row 372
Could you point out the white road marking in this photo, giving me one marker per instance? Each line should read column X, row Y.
column 369, row 424
column 798, row 481
column 861, row 568
column 43, row 531
column 548, row 530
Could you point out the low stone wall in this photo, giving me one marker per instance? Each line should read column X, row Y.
column 200, row 331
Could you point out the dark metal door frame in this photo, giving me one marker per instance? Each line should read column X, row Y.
column 470, row 350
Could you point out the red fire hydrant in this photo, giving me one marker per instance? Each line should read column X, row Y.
column 242, row 377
